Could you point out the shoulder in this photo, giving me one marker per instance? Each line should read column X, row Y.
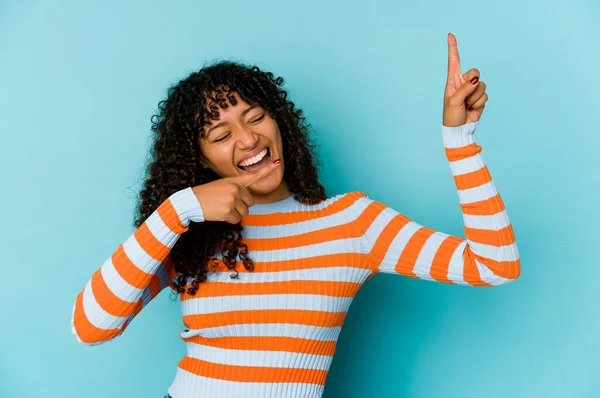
column 348, row 202
column 353, row 195
column 353, row 198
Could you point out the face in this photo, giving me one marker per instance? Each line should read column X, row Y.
column 242, row 132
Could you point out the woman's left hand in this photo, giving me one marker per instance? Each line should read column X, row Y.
column 463, row 101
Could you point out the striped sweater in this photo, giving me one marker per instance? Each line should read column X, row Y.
column 273, row 331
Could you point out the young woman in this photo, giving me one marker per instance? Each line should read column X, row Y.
column 233, row 186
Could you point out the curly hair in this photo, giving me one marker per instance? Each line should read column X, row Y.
column 174, row 162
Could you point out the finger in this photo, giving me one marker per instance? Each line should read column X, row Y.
column 246, row 196
column 480, row 103
column 254, row 176
column 471, row 73
column 466, row 89
column 234, row 217
column 473, row 97
column 241, row 208
column 453, row 57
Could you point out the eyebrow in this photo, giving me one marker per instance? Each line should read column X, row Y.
column 224, row 123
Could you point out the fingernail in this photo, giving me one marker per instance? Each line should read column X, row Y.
column 475, row 80
column 277, row 161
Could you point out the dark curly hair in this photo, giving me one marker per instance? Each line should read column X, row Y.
column 174, row 159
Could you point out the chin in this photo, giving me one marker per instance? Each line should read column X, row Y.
column 267, row 184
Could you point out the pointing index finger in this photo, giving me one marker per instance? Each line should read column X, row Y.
column 453, row 57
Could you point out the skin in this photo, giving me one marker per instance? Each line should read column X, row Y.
column 464, row 101
column 225, row 146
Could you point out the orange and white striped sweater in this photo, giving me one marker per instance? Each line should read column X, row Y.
column 273, row 331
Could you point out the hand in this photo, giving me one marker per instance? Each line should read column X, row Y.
column 228, row 198
column 463, row 101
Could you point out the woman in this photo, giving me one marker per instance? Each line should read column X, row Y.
column 233, row 185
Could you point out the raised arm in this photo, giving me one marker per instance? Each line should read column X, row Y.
column 487, row 257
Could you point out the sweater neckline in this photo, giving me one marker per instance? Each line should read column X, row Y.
column 273, row 207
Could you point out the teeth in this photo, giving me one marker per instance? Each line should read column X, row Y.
column 254, row 159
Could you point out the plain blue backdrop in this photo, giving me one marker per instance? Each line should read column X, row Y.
column 79, row 82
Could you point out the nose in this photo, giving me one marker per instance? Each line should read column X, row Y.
column 247, row 138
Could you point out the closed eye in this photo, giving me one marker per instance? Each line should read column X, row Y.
column 222, row 138
column 258, row 119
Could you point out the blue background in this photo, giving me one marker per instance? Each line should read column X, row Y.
column 79, row 83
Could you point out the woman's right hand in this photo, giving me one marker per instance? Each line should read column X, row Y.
column 227, row 199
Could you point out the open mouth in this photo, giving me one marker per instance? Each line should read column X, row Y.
column 263, row 162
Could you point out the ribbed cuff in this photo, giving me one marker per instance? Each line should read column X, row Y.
column 459, row 136
column 187, row 206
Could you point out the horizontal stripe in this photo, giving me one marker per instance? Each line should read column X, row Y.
column 318, row 237
column 255, row 374
column 304, row 317
column 269, row 343
column 284, row 302
column 493, row 222
column 463, row 152
column 478, row 194
column 294, row 286
column 484, row 207
column 189, row 385
column 466, row 165
column 473, row 180
column 247, row 357
column 331, row 270
column 491, row 238
column 292, row 251
column 321, row 333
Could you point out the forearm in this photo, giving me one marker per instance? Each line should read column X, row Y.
column 490, row 249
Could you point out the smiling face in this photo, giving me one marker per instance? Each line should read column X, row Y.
column 235, row 144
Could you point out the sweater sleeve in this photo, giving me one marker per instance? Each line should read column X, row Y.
column 135, row 273
column 487, row 256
